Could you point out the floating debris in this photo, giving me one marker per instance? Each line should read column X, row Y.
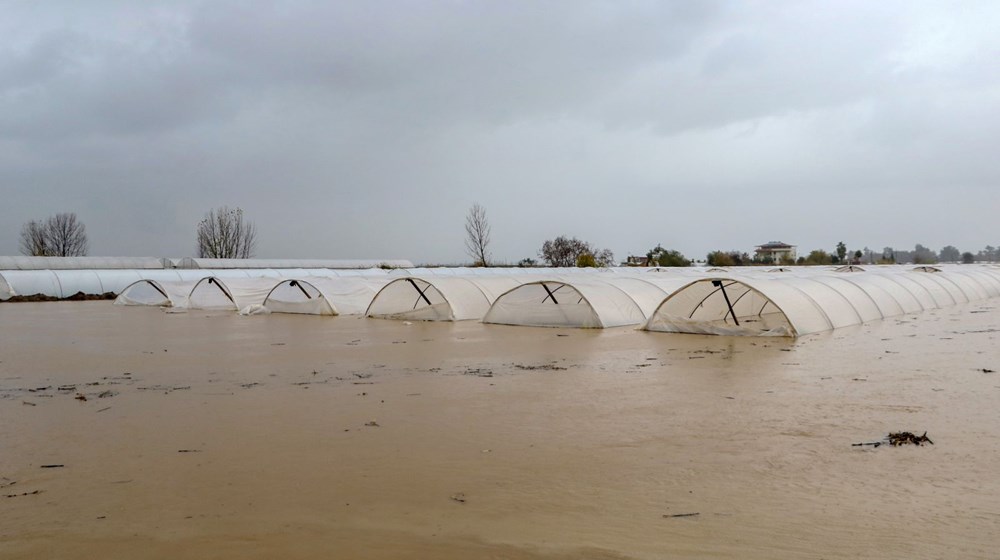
column 896, row 439
column 903, row 438
column 52, row 466
column 459, row 497
column 550, row 367
column 22, row 494
column 682, row 514
column 166, row 389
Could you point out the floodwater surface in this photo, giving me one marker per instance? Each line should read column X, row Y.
column 206, row 435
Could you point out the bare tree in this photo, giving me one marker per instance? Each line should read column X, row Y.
column 61, row 235
column 33, row 242
column 605, row 258
column 67, row 237
column 224, row 234
column 477, row 235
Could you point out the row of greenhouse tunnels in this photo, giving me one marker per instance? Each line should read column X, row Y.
column 774, row 302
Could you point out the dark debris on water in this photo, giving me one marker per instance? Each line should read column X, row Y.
column 896, row 439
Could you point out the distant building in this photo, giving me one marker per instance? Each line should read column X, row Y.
column 637, row 261
column 775, row 251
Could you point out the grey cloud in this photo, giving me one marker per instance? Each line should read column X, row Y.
column 359, row 129
column 498, row 62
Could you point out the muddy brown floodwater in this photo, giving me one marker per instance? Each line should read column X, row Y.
column 218, row 436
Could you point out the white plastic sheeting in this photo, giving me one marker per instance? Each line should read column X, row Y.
column 315, row 296
column 797, row 305
column 495, row 271
column 81, row 263
column 646, row 291
column 439, row 298
column 701, row 307
column 230, row 293
column 585, row 301
column 325, row 296
column 565, row 302
column 64, row 283
column 160, row 293
column 189, row 262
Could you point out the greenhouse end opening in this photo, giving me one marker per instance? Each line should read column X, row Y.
column 720, row 307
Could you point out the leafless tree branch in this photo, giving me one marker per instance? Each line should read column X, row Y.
column 61, row 235
column 477, row 235
column 225, row 234
column 33, row 242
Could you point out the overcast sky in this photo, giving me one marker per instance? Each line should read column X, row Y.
column 367, row 129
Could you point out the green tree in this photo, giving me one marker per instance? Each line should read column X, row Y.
column 949, row 253
column 719, row 258
column 968, row 258
column 923, row 255
column 731, row 258
column 841, row 251
column 819, row 256
column 662, row 257
column 565, row 251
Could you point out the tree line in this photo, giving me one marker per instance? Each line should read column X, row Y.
column 566, row 251
column 840, row 255
column 224, row 233
column 563, row 251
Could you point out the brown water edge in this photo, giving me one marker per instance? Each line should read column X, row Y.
column 754, row 435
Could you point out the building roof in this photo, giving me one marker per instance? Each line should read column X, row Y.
column 775, row 245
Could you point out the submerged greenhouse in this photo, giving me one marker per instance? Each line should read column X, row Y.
column 439, row 298
column 324, row 296
column 795, row 306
